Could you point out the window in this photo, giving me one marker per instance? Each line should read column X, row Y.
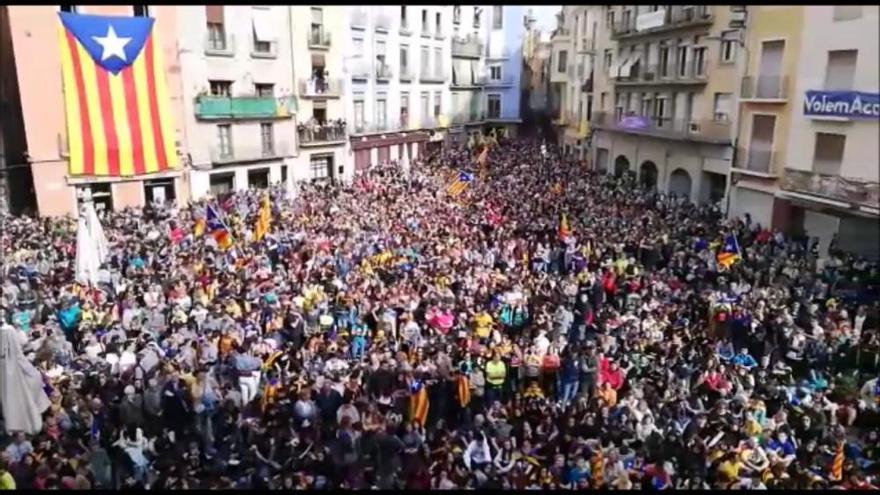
column 264, row 33
column 728, row 47
column 224, row 136
column 404, row 107
column 141, row 10
column 563, row 61
column 267, row 138
column 317, row 25
column 495, row 72
column 380, row 53
column 721, row 110
column 664, row 61
column 426, row 55
column 682, row 61
column 627, row 17
column 841, row 70
column 258, row 178
column 497, row 17
column 699, row 61
column 828, row 154
column 437, row 24
column 221, row 183
column 404, row 59
column 216, row 36
column 320, row 166
column 477, row 12
column 847, row 12
column 659, row 108
column 456, row 14
column 425, row 21
column 494, row 106
column 358, row 47
column 645, row 110
column 284, row 174
column 359, row 111
column 438, row 63
column 603, row 98
column 221, row 88
column 589, row 108
column 608, row 59
column 265, row 90
column 426, row 110
column 403, row 16
column 609, row 19
column 436, row 104
column 381, row 110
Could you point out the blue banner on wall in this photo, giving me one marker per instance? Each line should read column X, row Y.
column 846, row 104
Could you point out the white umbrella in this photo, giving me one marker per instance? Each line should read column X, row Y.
column 91, row 245
column 22, row 397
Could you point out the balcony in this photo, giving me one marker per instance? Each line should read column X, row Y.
column 359, row 19
column 691, row 73
column 360, row 71
column 467, row 118
column 319, row 40
column 438, row 34
column 382, row 24
column 469, row 47
column 243, row 107
column 377, row 127
column 432, row 77
column 505, row 81
column 466, row 82
column 406, row 74
column 320, row 135
column 587, row 45
column 264, row 49
column 765, row 89
column 664, row 20
column 314, row 88
column 253, row 153
column 405, row 29
column 759, row 162
column 383, row 71
column 223, row 46
column 707, row 131
column 426, row 31
column 853, row 191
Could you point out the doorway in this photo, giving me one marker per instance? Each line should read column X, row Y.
column 621, row 166
column 648, row 176
column 159, row 191
column 768, row 71
column 680, row 184
column 761, row 143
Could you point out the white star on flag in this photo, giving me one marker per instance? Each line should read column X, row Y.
column 113, row 45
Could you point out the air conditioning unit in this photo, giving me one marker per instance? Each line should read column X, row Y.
column 693, row 127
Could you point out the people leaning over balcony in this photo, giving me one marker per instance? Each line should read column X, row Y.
column 317, row 130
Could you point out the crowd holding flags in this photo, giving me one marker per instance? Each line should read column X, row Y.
column 729, row 253
column 419, row 404
column 459, row 184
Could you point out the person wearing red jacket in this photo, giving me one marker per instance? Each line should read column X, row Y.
column 610, row 373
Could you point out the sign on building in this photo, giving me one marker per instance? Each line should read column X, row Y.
column 842, row 104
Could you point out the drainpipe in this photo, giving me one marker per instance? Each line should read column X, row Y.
column 294, row 92
column 744, row 72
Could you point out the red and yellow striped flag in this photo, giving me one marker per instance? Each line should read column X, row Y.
column 464, row 391
column 837, row 463
column 261, row 228
column 419, row 405
column 115, row 96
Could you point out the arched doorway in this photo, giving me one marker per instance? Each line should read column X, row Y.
column 648, row 176
column 621, row 166
column 680, row 183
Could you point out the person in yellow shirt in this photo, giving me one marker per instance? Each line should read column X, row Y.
column 7, row 482
column 483, row 325
column 496, row 374
column 729, row 469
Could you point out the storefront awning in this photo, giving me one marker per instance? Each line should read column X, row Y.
column 264, row 25
column 626, row 68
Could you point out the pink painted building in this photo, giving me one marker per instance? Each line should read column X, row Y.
column 39, row 109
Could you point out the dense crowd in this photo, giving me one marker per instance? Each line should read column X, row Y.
column 386, row 335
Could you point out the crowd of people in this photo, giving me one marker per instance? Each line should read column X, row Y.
column 384, row 334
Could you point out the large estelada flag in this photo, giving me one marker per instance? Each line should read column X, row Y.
column 115, row 96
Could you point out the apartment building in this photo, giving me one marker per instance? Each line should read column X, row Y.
column 319, row 44
column 829, row 187
column 665, row 109
column 575, row 42
column 238, row 96
column 33, row 116
column 560, row 50
column 396, row 71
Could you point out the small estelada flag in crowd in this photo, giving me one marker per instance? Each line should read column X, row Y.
column 729, row 253
column 461, row 182
column 481, row 160
column 419, row 404
column 564, row 229
column 118, row 114
column 263, row 218
column 837, row 463
column 218, row 230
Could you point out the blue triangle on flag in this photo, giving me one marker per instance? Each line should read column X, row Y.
column 113, row 42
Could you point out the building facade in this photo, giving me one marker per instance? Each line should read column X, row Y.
column 238, row 86
column 669, row 118
column 318, row 48
column 42, row 147
column 829, row 186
